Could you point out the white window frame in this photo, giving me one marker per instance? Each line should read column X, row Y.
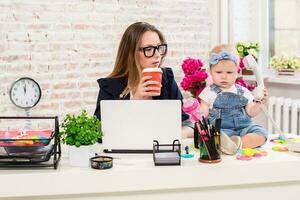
column 220, row 22
column 263, row 24
column 227, row 29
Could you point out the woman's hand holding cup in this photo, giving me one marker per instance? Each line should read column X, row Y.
column 150, row 84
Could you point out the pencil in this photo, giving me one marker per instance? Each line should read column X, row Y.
column 198, row 127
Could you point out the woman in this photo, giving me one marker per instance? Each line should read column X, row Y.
column 142, row 46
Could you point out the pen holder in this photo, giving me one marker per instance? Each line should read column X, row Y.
column 209, row 144
column 209, row 154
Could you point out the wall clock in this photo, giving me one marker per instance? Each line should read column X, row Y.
column 25, row 93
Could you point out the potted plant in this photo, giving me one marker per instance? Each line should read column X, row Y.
column 80, row 132
column 286, row 65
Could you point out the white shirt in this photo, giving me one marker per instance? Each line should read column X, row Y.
column 209, row 96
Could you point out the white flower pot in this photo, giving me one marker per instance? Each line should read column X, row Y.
column 80, row 156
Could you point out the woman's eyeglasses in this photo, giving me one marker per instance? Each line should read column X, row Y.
column 149, row 51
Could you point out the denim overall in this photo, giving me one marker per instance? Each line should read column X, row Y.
column 231, row 108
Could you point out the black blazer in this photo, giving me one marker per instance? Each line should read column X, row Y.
column 111, row 88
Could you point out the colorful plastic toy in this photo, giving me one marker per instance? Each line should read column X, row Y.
column 248, row 154
column 280, row 149
column 280, row 140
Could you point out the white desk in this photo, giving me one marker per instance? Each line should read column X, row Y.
column 275, row 176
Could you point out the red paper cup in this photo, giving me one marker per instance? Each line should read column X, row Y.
column 156, row 74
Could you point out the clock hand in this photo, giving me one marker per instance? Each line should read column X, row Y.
column 24, row 88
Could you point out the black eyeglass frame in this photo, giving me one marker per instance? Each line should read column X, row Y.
column 155, row 48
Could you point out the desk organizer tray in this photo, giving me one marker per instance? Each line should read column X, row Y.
column 30, row 148
column 166, row 154
column 17, row 155
column 26, row 138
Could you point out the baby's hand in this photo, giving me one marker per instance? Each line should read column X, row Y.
column 264, row 100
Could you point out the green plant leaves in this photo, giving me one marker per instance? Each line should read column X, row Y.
column 80, row 130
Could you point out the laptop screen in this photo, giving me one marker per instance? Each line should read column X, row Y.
column 132, row 125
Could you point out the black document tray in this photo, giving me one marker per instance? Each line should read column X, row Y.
column 40, row 154
column 45, row 152
column 26, row 141
column 166, row 154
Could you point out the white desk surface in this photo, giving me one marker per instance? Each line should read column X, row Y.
column 275, row 176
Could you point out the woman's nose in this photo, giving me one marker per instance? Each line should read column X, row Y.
column 156, row 54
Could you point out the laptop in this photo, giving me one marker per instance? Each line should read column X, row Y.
column 130, row 126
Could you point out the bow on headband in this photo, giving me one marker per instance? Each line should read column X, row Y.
column 223, row 55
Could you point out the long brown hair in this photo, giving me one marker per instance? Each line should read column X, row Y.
column 126, row 64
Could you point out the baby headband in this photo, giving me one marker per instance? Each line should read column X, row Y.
column 223, row 55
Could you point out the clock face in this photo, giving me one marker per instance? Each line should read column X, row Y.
column 25, row 93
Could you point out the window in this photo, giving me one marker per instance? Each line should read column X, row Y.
column 284, row 27
column 274, row 24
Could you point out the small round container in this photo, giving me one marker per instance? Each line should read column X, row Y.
column 101, row 162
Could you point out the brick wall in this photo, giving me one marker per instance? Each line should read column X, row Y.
column 67, row 45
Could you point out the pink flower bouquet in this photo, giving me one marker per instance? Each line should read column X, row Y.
column 194, row 79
